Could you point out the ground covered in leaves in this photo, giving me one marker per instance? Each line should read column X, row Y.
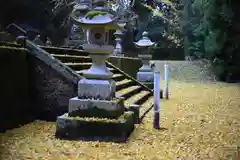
column 199, row 121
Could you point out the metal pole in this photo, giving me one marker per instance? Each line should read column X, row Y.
column 165, row 94
column 156, row 99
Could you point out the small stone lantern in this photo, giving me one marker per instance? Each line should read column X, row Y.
column 145, row 74
column 118, row 34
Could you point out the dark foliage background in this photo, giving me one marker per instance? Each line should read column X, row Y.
column 201, row 29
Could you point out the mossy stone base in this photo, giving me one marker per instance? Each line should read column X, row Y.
column 78, row 128
column 135, row 109
column 96, row 108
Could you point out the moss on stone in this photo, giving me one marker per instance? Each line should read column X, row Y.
column 11, row 48
column 75, row 128
column 117, row 120
column 97, row 112
column 92, row 14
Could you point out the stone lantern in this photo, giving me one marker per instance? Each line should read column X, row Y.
column 118, row 48
column 118, row 38
column 145, row 74
column 96, row 92
column 134, row 21
column 98, row 23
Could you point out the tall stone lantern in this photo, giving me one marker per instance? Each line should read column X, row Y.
column 96, row 92
column 145, row 74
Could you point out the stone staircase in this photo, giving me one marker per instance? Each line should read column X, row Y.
column 133, row 91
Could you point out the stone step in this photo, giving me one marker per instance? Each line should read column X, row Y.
column 138, row 98
column 72, row 58
column 128, row 92
column 118, row 77
column 84, row 70
column 123, row 84
column 132, row 92
column 79, row 66
column 95, row 128
column 113, row 70
column 146, row 106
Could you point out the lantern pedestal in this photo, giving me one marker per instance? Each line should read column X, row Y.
column 99, row 55
column 145, row 74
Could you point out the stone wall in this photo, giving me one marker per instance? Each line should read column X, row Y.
column 51, row 90
column 16, row 96
column 53, row 83
column 126, row 64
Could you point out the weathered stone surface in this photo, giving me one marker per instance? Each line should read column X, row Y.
column 6, row 37
column 126, row 64
column 145, row 76
column 149, row 84
column 95, row 108
column 116, row 130
column 16, row 93
column 145, row 68
column 52, row 90
column 96, row 89
column 135, row 108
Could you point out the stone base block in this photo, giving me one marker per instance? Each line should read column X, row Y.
column 135, row 109
column 117, row 130
column 145, row 76
column 96, row 108
column 145, row 68
column 118, row 55
column 96, row 89
column 148, row 84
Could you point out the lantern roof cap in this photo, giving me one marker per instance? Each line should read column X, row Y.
column 144, row 41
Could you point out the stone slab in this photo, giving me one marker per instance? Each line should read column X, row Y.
column 145, row 68
column 135, row 109
column 96, row 89
column 145, row 76
column 117, row 130
column 96, row 108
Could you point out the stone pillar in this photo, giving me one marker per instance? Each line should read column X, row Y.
column 86, row 35
column 98, row 70
column 96, row 93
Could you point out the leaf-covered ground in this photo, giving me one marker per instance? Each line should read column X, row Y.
column 199, row 121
